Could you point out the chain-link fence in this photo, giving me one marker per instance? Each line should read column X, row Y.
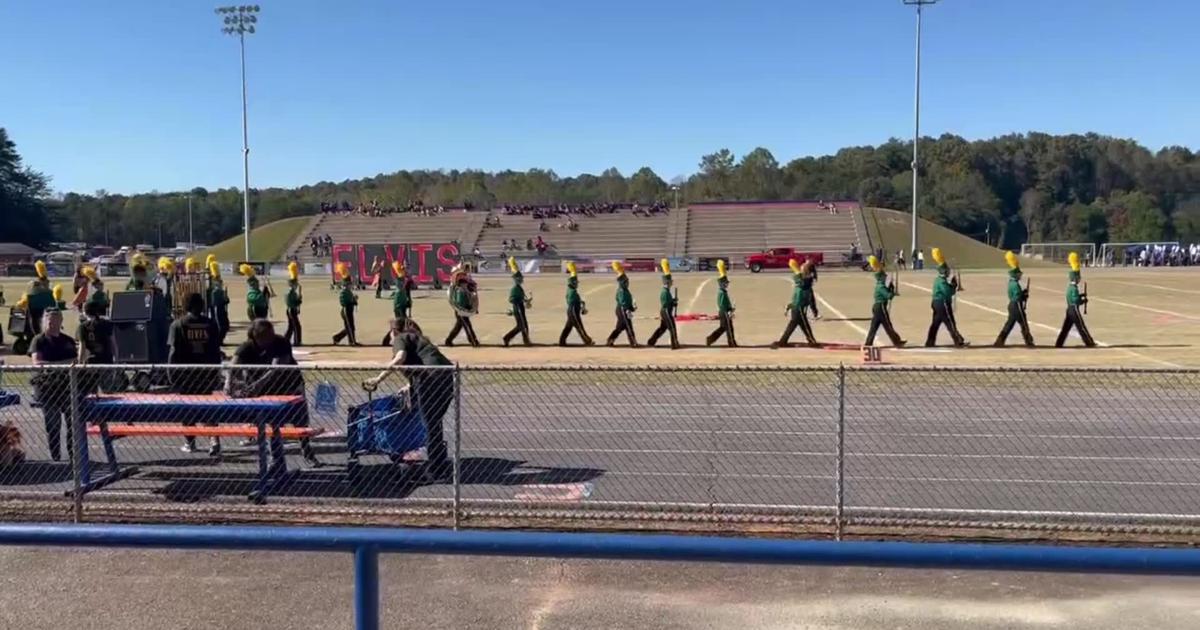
column 804, row 449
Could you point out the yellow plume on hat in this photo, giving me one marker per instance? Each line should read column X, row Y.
column 936, row 253
column 666, row 266
column 512, row 264
column 571, row 268
column 398, row 268
column 246, row 270
column 88, row 273
column 1011, row 259
column 721, row 273
column 1073, row 260
column 209, row 260
column 343, row 270
column 191, row 265
column 794, row 265
column 214, row 270
column 57, row 292
column 873, row 263
column 166, row 265
column 618, row 267
column 294, row 270
column 40, row 267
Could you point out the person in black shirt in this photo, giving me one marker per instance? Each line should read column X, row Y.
column 195, row 340
column 432, row 389
column 265, row 348
column 52, row 388
column 97, row 346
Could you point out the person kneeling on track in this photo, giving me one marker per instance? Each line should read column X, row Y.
column 432, row 389
column 265, row 348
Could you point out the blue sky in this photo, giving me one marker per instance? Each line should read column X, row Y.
column 139, row 95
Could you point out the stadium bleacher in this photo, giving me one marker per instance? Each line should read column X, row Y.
column 710, row 229
column 736, row 229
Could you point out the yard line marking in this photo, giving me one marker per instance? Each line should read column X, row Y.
column 840, row 315
column 1155, row 286
column 1053, row 329
column 1128, row 305
column 696, row 296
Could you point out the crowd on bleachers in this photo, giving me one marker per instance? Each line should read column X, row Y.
column 375, row 209
column 321, row 245
column 1159, row 255
column 554, row 211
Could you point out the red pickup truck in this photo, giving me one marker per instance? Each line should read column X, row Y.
column 778, row 258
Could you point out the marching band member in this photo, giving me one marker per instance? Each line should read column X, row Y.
column 465, row 302
column 1076, row 301
column 218, row 298
column 881, row 308
column 293, row 300
column 91, row 292
column 576, row 309
column 257, row 306
column 137, row 274
column 802, row 296
column 38, row 298
column 518, row 302
column 724, row 309
column 349, row 303
column 944, row 289
column 401, row 299
column 625, row 308
column 667, row 303
column 1018, row 296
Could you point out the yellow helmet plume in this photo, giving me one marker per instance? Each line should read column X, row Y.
column 57, row 292
column 666, row 266
column 294, row 270
column 88, row 273
column 873, row 262
column 398, row 268
column 166, row 265
column 1011, row 259
column 40, row 267
column 938, row 258
column 721, row 272
column 794, row 265
column 1073, row 260
column 209, row 260
column 246, row 270
column 191, row 265
column 214, row 270
column 512, row 264
column 618, row 267
column 571, row 268
column 343, row 270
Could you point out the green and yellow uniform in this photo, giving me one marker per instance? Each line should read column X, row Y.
column 517, row 303
column 625, row 309
column 348, row 302
column 943, row 308
column 667, row 303
column 574, row 310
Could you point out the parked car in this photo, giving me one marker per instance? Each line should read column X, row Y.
column 779, row 257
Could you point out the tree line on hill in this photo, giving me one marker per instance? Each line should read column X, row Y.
column 1022, row 187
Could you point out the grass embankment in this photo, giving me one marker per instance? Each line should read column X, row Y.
column 268, row 243
column 894, row 229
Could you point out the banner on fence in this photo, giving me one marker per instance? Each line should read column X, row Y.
column 316, row 269
column 425, row 262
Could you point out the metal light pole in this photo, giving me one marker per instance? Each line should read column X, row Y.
column 240, row 20
column 191, row 234
column 916, row 120
column 675, row 189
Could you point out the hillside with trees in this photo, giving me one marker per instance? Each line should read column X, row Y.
column 1018, row 188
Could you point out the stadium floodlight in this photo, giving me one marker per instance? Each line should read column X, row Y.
column 240, row 20
column 916, row 117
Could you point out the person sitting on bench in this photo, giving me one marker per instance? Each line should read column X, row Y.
column 432, row 389
column 265, row 348
column 195, row 340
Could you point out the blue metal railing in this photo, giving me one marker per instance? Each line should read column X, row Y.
column 367, row 543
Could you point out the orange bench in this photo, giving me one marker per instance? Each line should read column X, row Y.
column 179, row 430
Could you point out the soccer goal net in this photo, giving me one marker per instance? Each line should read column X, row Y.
column 1058, row 252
